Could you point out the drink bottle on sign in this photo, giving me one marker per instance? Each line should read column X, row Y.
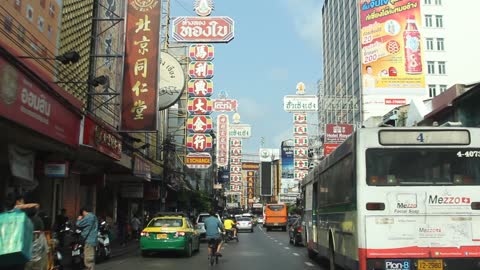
column 411, row 38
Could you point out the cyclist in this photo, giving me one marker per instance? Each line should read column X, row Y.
column 214, row 226
column 229, row 224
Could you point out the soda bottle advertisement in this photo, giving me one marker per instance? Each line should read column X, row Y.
column 392, row 71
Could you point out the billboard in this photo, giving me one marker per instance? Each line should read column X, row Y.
column 335, row 134
column 203, row 29
column 139, row 97
column 266, row 179
column 287, row 149
column 222, row 140
column 391, row 45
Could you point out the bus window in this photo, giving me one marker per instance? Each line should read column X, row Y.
column 422, row 167
column 276, row 207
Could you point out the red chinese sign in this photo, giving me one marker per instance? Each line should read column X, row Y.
column 199, row 142
column 199, row 123
column 222, row 140
column 200, row 88
column 139, row 98
column 24, row 102
column 225, row 105
column 200, row 69
column 102, row 139
column 201, row 52
column 201, row 105
column 203, row 29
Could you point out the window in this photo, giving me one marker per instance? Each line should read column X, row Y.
column 443, row 88
column 431, row 67
column 440, row 44
column 437, row 2
column 439, row 20
column 441, row 68
column 428, row 2
column 429, row 44
column 432, row 90
column 428, row 21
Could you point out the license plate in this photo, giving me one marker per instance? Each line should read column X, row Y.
column 75, row 252
column 162, row 236
column 430, row 264
column 276, row 224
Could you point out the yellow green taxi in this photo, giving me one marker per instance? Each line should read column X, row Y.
column 169, row 232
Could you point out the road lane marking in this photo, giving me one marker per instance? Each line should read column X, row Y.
column 286, row 247
column 309, row 264
column 296, row 254
column 280, row 244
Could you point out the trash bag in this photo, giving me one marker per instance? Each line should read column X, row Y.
column 16, row 238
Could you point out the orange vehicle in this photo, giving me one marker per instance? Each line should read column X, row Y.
column 275, row 216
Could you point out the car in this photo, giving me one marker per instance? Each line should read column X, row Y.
column 260, row 220
column 245, row 223
column 200, row 224
column 169, row 232
column 295, row 232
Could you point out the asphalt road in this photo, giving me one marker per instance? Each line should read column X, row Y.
column 257, row 250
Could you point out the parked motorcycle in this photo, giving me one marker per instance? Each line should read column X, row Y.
column 103, row 249
column 76, row 246
column 57, row 255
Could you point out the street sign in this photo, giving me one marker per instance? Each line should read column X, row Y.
column 203, row 29
column 300, row 103
column 240, row 131
column 225, row 105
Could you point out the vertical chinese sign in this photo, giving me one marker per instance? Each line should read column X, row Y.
column 223, row 140
column 391, row 45
column 236, row 179
column 139, row 97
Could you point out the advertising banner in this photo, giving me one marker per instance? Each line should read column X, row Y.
column 203, row 29
column 329, row 148
column 287, row 153
column 36, row 25
column 222, row 140
column 225, row 105
column 139, row 97
column 391, row 45
column 337, row 133
column 24, row 102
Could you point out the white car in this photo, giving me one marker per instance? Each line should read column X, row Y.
column 200, row 224
column 260, row 220
column 245, row 223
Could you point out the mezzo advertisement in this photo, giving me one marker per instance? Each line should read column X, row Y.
column 391, row 54
column 288, row 181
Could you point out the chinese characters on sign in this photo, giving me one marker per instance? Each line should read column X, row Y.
column 222, row 140
column 139, row 97
column 201, row 52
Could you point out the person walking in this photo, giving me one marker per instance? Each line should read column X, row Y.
column 88, row 223
column 136, row 224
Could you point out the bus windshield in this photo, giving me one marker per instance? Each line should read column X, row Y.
column 392, row 167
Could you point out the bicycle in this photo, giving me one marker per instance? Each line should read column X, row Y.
column 213, row 245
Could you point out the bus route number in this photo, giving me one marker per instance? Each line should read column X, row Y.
column 420, row 138
column 468, row 154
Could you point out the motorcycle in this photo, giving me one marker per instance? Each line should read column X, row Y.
column 76, row 246
column 103, row 249
column 57, row 255
column 229, row 236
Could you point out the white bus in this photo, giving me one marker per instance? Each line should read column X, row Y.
column 398, row 199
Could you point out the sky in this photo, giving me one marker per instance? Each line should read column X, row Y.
column 277, row 44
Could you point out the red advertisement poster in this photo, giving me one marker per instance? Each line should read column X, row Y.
column 139, row 97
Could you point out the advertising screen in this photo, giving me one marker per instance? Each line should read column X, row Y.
column 266, row 174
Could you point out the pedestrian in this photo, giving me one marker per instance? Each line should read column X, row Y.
column 136, row 224
column 88, row 223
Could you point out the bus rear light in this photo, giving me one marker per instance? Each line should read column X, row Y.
column 375, row 206
column 475, row 205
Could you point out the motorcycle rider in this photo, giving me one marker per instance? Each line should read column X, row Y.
column 230, row 225
column 88, row 223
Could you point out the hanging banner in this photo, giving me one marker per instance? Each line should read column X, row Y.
column 139, row 97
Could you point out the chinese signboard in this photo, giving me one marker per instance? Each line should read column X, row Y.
column 203, row 29
column 201, row 52
column 299, row 103
column 225, row 105
column 391, row 46
column 199, row 123
column 102, row 139
column 200, row 105
column 200, row 88
column 222, row 140
column 139, row 97
column 200, row 69
column 199, row 142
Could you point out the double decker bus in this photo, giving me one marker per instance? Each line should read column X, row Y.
column 398, row 199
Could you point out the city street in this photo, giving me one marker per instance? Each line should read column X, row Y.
column 258, row 250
